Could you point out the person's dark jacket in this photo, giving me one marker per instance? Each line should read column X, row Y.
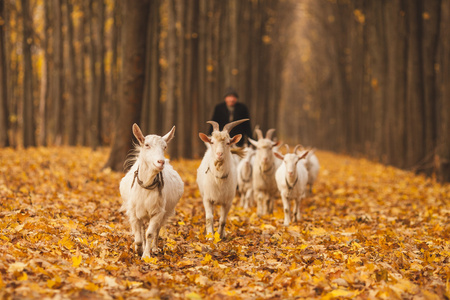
column 222, row 116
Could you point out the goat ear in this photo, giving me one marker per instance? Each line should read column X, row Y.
column 169, row 136
column 235, row 139
column 279, row 155
column 276, row 143
column 204, row 138
column 253, row 142
column 138, row 134
column 304, row 154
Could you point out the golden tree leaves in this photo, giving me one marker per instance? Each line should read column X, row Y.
column 368, row 231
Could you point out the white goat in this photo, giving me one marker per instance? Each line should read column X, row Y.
column 291, row 179
column 216, row 175
column 150, row 190
column 312, row 165
column 264, row 186
column 245, row 177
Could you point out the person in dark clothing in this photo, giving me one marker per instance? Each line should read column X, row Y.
column 231, row 110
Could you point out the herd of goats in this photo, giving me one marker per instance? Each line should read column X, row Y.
column 152, row 188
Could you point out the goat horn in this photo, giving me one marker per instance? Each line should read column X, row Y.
column 215, row 125
column 231, row 125
column 259, row 133
column 269, row 133
column 287, row 147
column 297, row 147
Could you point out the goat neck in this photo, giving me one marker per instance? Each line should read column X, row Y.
column 146, row 172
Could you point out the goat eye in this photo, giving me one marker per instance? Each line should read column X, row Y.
column 147, row 146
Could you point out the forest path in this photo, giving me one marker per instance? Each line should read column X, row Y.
column 367, row 231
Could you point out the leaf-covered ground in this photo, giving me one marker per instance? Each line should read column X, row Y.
column 368, row 231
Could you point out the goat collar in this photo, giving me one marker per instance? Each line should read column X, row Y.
column 158, row 182
column 290, row 187
column 266, row 171
column 218, row 177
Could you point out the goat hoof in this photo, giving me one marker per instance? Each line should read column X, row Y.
column 139, row 249
column 156, row 250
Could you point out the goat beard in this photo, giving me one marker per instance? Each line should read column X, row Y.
column 218, row 164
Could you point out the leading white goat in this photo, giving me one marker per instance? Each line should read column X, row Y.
column 264, row 186
column 151, row 189
column 216, row 175
column 291, row 178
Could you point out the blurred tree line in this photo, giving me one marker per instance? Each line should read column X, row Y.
column 69, row 68
column 372, row 78
column 362, row 77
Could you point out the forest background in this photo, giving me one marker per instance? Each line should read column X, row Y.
column 361, row 77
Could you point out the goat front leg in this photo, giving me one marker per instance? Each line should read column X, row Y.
column 209, row 216
column 270, row 204
column 287, row 211
column 248, row 199
column 224, row 209
column 137, row 228
column 260, row 205
column 152, row 234
column 297, row 215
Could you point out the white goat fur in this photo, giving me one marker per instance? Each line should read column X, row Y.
column 312, row 166
column 217, row 176
column 291, row 178
column 152, row 206
column 264, row 186
column 245, row 177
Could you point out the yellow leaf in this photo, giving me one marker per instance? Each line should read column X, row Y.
column 132, row 284
column 207, row 258
column 151, row 260
column 66, row 242
column 55, row 282
column 193, row 296
column 318, row 231
column 23, row 277
column 359, row 16
column 2, row 285
column 181, row 223
column 91, row 287
column 338, row 293
column 76, row 261
column 184, row 263
column 217, row 237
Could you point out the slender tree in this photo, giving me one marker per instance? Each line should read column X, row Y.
column 135, row 13
column 29, row 126
column 4, row 113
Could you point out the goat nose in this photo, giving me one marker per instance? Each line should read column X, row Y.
column 161, row 162
column 219, row 154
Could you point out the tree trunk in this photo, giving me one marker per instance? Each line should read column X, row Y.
column 4, row 112
column 29, row 127
column 72, row 79
column 135, row 13
column 57, row 74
